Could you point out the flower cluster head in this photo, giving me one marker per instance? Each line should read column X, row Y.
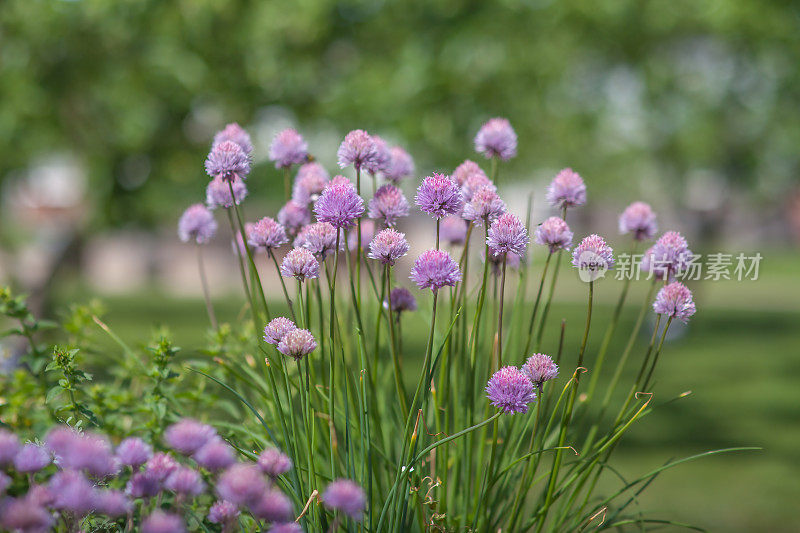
column 358, row 149
column 82, row 451
column 400, row 165
column 382, row 158
column 277, row 329
column 71, row 491
column 310, row 182
column 318, row 238
column 274, row 462
column 484, row 205
column 388, row 204
column 675, row 301
column 187, row 435
column 388, row 246
column 453, row 230
column 639, row 220
column 345, row 496
column 266, row 234
column 555, row 233
column 592, row 257
column 241, row 484
column 293, row 216
column 668, row 257
column 9, row 447
column 235, row 133
column 215, row 454
column 510, row 390
column 197, row 224
column 273, row 506
column 133, row 452
column 439, row 196
column 540, row 368
column 466, row 169
column 339, row 205
column 227, row 160
column 301, row 264
column 435, row 269
column 473, row 183
column 496, row 138
column 566, row 190
column 218, row 192
column 161, row 522
column 507, row 235
column 31, row 458
column 288, row 148
column 402, row 300
column 222, row 512
column 185, row 481
column 297, row 343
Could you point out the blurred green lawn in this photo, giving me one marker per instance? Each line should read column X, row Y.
column 739, row 357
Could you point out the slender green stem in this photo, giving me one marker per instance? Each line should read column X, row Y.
column 658, row 352
column 535, row 309
column 204, row 282
column 398, row 376
column 283, row 283
column 500, row 313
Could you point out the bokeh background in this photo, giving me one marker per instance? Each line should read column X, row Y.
column 107, row 109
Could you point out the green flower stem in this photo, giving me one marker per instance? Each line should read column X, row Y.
column 500, row 314
column 526, row 352
column 283, row 283
column 398, row 376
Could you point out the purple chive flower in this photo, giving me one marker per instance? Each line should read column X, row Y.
column 216, row 454
column 367, row 233
column 339, row 180
column 235, row 133
column 9, row 447
column 669, row 256
column 273, row 506
column 318, row 238
column 358, row 149
column 133, row 452
column 285, row 527
column 267, row 234
column 400, row 166
column 218, row 192
column 185, row 481
column 439, row 196
column 473, row 182
column 25, row 515
column 241, row 484
column 5, row 481
column 466, row 169
column 453, row 230
column 187, row 435
column 31, row 458
column 345, row 496
column 297, row 343
column 540, row 368
column 273, row 462
column 382, row 159
column 112, row 503
column 339, row 205
column 301, row 264
column 593, row 254
column 485, row 205
column 566, row 190
column 88, row 452
column 507, row 234
column 402, row 300
column 161, row 465
column 638, row 219
column 510, row 390
column 496, row 138
column 555, row 233
column 388, row 246
column 40, row 495
column 60, row 439
column 143, row 485
column 277, row 329
column 310, row 182
column 161, row 522
column 294, row 215
column 288, row 148
column 435, row 269
column 222, row 512
column 228, row 161
column 197, row 224
column 675, row 301
column 388, row 204
column 72, row 492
